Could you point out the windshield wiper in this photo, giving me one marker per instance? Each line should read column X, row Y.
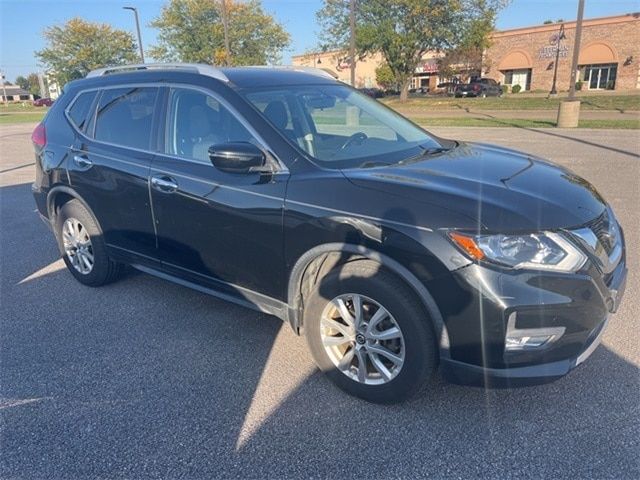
column 373, row 164
column 426, row 152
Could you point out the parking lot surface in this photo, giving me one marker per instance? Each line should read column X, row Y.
column 144, row 378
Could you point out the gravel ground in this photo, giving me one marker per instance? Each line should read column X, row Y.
column 144, row 378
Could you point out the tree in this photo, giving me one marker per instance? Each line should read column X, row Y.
column 467, row 56
column 34, row 85
column 22, row 82
column 77, row 47
column 403, row 30
column 385, row 77
column 193, row 31
column 31, row 83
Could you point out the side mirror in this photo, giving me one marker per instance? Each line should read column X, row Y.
column 237, row 157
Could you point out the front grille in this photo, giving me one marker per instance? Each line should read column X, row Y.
column 602, row 229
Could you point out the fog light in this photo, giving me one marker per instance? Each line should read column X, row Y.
column 529, row 338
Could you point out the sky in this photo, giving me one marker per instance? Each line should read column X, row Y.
column 22, row 21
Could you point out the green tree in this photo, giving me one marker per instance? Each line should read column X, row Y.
column 385, row 77
column 77, row 47
column 192, row 31
column 467, row 56
column 402, row 30
column 22, row 82
column 34, row 85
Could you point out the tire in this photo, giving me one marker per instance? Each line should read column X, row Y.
column 73, row 217
column 373, row 283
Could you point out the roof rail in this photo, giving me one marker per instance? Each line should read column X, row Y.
column 200, row 68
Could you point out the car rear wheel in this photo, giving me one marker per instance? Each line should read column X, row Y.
column 369, row 333
column 82, row 246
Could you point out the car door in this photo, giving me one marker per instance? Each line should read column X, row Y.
column 220, row 229
column 109, row 168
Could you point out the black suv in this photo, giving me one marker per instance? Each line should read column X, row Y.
column 284, row 190
column 480, row 87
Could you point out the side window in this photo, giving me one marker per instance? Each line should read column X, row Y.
column 79, row 111
column 125, row 116
column 197, row 121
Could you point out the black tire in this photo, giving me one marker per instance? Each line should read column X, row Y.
column 369, row 278
column 104, row 269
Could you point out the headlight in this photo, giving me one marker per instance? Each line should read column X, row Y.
column 539, row 251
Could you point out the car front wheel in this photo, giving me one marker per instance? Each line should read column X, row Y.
column 369, row 333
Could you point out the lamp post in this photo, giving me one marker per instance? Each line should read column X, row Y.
column 561, row 36
column 225, row 27
column 569, row 110
column 352, row 42
column 135, row 13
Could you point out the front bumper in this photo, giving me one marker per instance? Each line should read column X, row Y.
column 468, row 374
column 580, row 303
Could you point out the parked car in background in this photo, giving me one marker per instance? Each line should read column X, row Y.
column 392, row 250
column 372, row 92
column 419, row 91
column 481, row 87
column 43, row 102
column 447, row 87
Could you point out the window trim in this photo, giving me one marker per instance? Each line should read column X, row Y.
column 279, row 164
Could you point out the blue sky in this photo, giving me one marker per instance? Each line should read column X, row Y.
column 22, row 21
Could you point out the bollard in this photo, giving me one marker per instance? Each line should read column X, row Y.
column 568, row 114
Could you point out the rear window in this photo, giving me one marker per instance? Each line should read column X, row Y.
column 79, row 110
column 125, row 116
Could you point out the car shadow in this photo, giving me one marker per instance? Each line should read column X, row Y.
column 507, row 123
column 145, row 378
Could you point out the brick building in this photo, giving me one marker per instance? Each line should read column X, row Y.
column 609, row 55
column 609, row 58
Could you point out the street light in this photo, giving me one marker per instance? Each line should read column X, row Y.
column 561, row 36
column 135, row 13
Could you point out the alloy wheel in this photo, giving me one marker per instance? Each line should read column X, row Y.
column 362, row 339
column 77, row 245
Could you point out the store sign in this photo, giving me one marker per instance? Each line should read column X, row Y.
column 549, row 51
column 343, row 64
column 430, row 66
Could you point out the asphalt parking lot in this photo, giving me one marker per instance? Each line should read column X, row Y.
column 144, row 378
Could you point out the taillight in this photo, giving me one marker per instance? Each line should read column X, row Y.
column 39, row 135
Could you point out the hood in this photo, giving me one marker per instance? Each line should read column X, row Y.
column 500, row 189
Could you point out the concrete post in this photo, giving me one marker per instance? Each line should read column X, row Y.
column 568, row 114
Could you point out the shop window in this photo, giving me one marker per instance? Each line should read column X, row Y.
column 520, row 77
column 600, row 76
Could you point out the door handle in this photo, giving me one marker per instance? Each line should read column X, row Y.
column 164, row 184
column 82, row 161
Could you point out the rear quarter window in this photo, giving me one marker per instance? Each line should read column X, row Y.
column 78, row 112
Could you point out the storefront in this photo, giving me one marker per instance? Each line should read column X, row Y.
column 608, row 60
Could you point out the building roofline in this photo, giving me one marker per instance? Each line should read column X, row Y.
column 318, row 54
column 628, row 17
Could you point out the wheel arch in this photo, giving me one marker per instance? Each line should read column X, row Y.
column 59, row 195
column 315, row 258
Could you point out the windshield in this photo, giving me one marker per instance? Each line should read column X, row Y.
column 340, row 127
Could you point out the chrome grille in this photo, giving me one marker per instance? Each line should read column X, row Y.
column 602, row 228
column 602, row 238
